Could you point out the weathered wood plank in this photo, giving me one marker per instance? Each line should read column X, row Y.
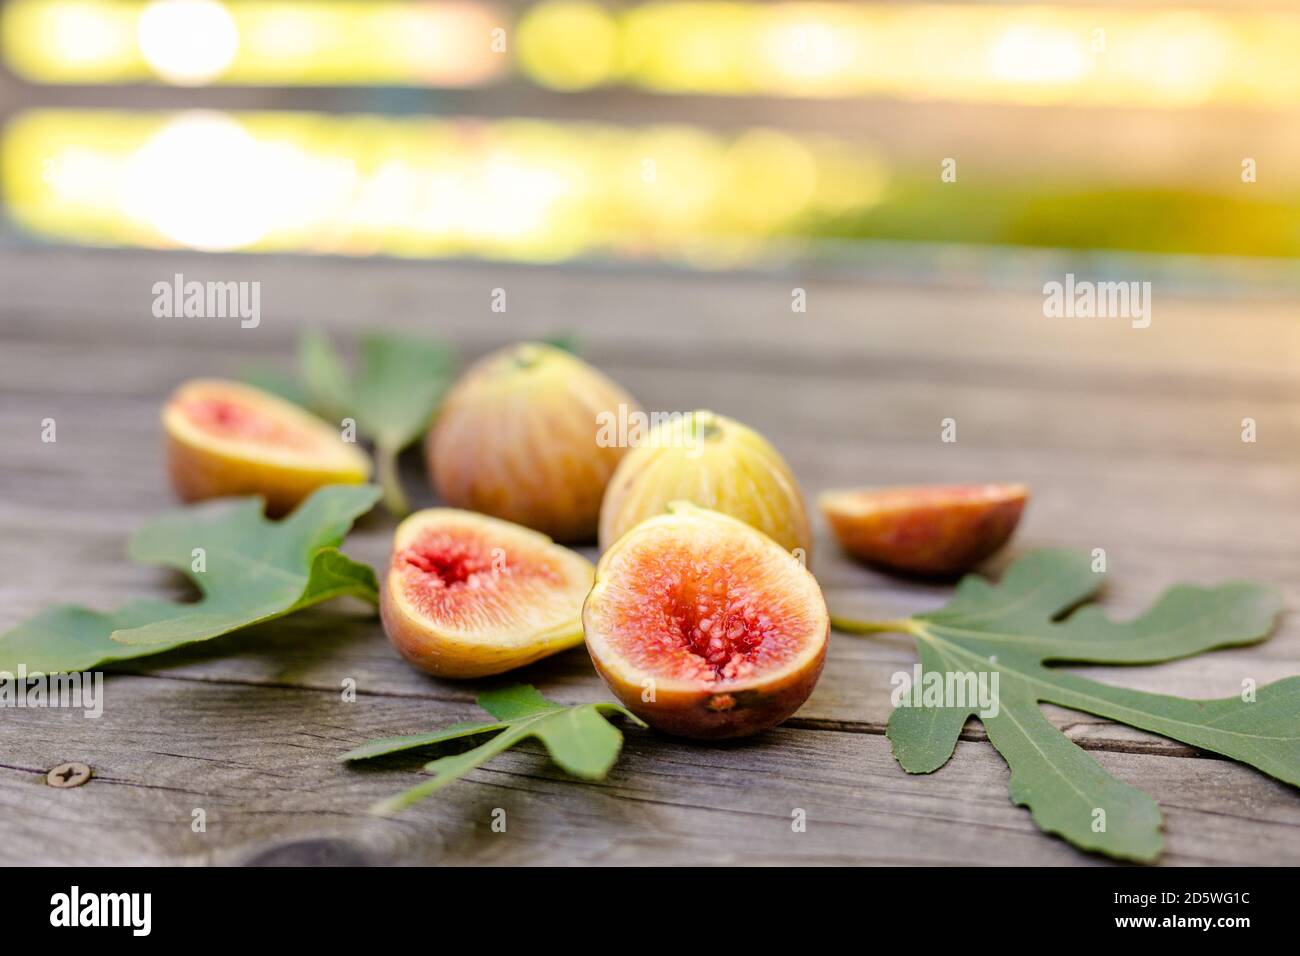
column 898, row 411
column 260, row 763
column 668, row 318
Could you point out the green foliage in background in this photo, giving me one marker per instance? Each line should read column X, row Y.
column 1074, row 216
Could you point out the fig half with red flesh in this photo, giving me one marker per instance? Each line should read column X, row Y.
column 925, row 529
column 228, row 438
column 705, row 627
column 467, row 595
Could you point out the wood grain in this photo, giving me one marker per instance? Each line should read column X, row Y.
column 1130, row 438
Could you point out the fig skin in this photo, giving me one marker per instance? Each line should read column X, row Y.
column 690, row 706
column 283, row 454
column 514, row 626
column 716, row 463
column 930, row 530
column 516, row 438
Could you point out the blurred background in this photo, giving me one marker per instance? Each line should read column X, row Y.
column 708, row 135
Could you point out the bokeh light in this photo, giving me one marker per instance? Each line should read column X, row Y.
column 187, row 42
column 1187, row 94
column 987, row 52
column 568, row 44
column 282, row 42
column 359, row 185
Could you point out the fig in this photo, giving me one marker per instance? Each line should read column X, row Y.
column 467, row 595
column 227, row 438
column 715, row 463
column 705, row 627
column 517, row 438
column 936, row 530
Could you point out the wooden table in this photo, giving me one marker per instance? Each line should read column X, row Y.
column 1130, row 438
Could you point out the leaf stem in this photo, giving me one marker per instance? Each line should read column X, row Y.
column 390, row 479
column 850, row 626
column 412, row 795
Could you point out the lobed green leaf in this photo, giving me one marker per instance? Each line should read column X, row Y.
column 1014, row 628
column 247, row 568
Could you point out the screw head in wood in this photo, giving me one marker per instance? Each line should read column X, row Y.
column 67, row 775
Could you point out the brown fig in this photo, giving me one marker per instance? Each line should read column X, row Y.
column 925, row 529
column 519, row 437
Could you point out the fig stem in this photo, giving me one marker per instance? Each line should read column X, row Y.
column 849, row 625
column 390, row 480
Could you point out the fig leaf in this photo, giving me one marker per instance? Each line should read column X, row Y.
column 567, row 341
column 272, row 380
column 398, row 384
column 1001, row 637
column 580, row 739
column 249, row 570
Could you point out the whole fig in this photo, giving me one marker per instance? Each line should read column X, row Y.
column 715, row 463
column 518, row 438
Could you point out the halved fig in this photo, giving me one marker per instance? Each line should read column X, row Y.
column 705, row 627
column 925, row 529
column 467, row 595
column 227, row 438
